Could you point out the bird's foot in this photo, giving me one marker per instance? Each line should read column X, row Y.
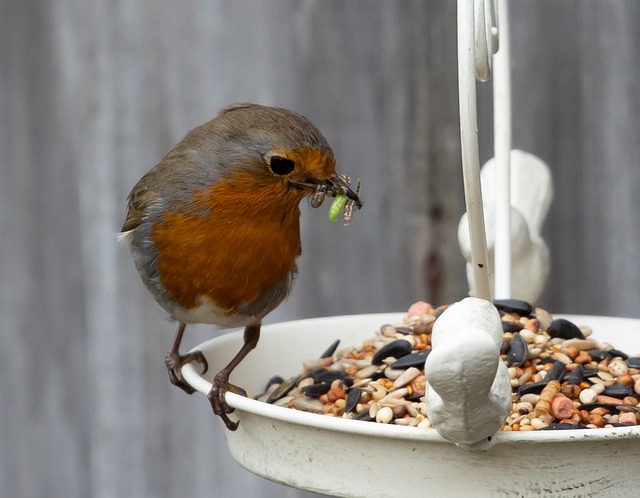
column 218, row 401
column 174, row 363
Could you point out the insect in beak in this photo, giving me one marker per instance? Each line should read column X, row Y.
column 354, row 201
column 338, row 186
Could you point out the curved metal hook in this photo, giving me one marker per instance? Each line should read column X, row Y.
column 486, row 36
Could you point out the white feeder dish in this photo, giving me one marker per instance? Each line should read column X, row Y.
column 351, row 458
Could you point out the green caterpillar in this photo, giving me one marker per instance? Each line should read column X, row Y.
column 337, row 206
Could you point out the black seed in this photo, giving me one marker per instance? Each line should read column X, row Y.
column 313, row 374
column 556, row 372
column 544, row 361
column 416, row 359
column 423, row 328
column 316, row 390
column 576, row 375
column 276, row 379
column 511, row 326
column 613, row 408
column 563, row 427
column 331, row 349
column 349, row 380
column 395, row 349
column 619, row 424
column 504, row 347
column 533, row 388
column 383, row 327
column 378, row 374
column 415, row 397
column 618, row 391
column 629, row 408
column 518, row 352
column 599, row 355
column 330, row 375
column 633, row 362
column 404, row 330
column 587, row 373
column 283, row 390
column 564, row 329
column 353, row 398
column 522, row 308
column 364, row 416
column 617, row 352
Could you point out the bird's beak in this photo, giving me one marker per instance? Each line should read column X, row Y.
column 341, row 185
column 332, row 187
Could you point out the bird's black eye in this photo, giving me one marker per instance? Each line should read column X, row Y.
column 281, row 165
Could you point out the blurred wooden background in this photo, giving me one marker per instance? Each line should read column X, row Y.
column 94, row 92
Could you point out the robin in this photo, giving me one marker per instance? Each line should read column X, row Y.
column 214, row 229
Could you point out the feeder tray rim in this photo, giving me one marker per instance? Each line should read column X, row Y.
column 372, row 429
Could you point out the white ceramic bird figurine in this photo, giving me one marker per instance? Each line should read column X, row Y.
column 468, row 395
column 531, row 195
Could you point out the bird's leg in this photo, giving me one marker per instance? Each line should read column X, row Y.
column 174, row 361
column 221, row 381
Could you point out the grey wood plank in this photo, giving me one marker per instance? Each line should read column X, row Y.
column 93, row 93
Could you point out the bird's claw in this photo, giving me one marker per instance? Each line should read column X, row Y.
column 218, row 400
column 174, row 363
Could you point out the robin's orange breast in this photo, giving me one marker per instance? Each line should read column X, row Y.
column 241, row 240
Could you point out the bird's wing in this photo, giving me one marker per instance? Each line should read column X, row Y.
column 140, row 199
